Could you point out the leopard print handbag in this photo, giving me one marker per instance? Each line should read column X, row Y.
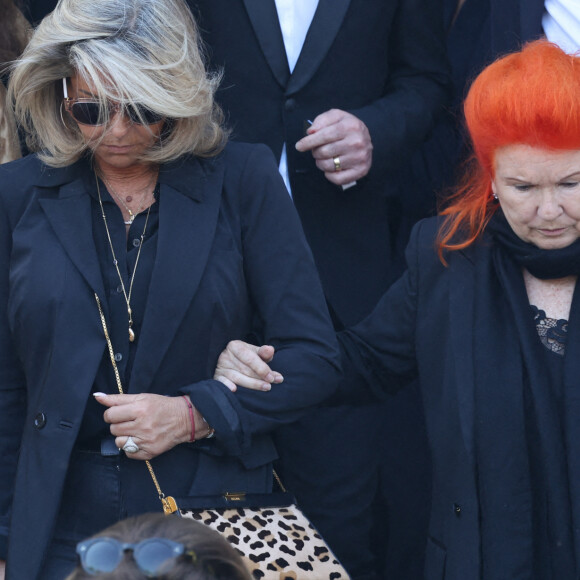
column 277, row 542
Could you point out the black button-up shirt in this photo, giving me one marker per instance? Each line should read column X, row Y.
column 126, row 246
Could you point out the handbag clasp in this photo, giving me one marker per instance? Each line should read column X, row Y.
column 235, row 496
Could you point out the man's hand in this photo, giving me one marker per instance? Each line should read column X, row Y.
column 245, row 365
column 337, row 138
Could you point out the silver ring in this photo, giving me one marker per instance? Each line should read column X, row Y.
column 130, row 446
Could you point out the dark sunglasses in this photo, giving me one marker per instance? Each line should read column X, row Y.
column 103, row 555
column 88, row 111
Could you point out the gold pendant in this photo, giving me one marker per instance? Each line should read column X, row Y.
column 131, row 335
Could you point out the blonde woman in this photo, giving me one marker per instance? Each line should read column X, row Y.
column 133, row 245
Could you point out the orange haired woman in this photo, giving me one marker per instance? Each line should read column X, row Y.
column 488, row 317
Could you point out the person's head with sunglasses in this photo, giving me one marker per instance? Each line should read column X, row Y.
column 123, row 79
column 158, row 546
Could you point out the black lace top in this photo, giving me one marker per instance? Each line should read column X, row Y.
column 552, row 332
column 553, row 335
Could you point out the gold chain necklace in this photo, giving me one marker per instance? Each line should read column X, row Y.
column 116, row 263
column 132, row 215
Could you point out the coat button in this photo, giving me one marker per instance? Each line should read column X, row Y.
column 290, row 104
column 457, row 509
column 39, row 421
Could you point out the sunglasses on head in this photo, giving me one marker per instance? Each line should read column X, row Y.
column 87, row 111
column 103, row 555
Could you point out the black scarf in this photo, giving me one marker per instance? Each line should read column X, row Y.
column 509, row 369
column 543, row 264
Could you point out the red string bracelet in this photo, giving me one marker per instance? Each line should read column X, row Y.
column 190, row 407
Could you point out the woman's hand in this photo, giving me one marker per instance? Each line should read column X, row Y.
column 245, row 365
column 156, row 423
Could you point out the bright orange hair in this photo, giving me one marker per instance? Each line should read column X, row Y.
column 529, row 97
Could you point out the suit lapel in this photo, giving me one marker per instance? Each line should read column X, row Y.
column 321, row 34
column 505, row 26
column 70, row 218
column 264, row 19
column 187, row 223
column 531, row 19
column 461, row 315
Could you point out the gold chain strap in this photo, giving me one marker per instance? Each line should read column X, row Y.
column 279, row 481
column 169, row 504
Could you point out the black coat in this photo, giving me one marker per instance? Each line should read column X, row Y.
column 230, row 255
column 423, row 327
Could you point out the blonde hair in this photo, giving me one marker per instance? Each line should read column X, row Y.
column 129, row 51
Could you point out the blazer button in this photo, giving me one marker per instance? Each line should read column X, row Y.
column 290, row 104
column 39, row 421
column 457, row 509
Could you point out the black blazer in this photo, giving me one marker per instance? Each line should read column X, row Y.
column 383, row 61
column 424, row 327
column 231, row 258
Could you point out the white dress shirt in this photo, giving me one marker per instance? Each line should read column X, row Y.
column 561, row 23
column 295, row 18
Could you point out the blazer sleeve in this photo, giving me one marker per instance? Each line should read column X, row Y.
column 418, row 87
column 378, row 354
column 12, row 390
column 289, row 310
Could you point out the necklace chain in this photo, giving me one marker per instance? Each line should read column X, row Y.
column 116, row 262
column 132, row 215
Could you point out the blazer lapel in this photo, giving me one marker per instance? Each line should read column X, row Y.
column 70, row 218
column 321, row 34
column 264, row 19
column 461, row 315
column 188, row 212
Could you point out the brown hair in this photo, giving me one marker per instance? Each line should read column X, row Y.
column 14, row 31
column 214, row 558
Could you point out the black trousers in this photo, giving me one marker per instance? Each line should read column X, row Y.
column 92, row 500
column 99, row 491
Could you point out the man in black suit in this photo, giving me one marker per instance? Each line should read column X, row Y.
column 370, row 77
